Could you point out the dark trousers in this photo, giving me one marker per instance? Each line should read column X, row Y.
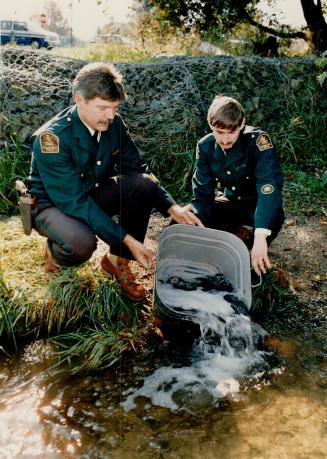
column 71, row 242
column 229, row 216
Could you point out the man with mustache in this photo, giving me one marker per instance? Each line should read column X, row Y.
column 85, row 170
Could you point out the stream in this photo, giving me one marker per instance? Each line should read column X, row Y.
column 276, row 410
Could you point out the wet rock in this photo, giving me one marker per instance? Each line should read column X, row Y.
column 238, row 332
column 192, row 400
column 237, row 305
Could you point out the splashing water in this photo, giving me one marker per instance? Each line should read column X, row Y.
column 222, row 357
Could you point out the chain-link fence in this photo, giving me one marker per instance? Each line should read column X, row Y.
column 168, row 101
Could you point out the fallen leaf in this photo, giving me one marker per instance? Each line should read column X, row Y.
column 158, row 332
column 300, row 285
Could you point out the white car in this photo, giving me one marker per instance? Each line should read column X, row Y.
column 27, row 33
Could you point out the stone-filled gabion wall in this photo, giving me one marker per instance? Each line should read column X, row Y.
column 168, row 100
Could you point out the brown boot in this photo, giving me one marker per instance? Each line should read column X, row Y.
column 50, row 265
column 124, row 276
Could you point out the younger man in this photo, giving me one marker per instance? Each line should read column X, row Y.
column 244, row 164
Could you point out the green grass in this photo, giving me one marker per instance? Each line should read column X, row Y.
column 85, row 315
column 274, row 289
column 106, row 53
column 79, row 306
column 304, row 192
column 121, row 52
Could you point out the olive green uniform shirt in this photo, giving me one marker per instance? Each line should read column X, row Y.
column 248, row 173
column 67, row 165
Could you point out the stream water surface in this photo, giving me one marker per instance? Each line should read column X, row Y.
column 276, row 410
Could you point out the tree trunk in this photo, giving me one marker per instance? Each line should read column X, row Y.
column 314, row 17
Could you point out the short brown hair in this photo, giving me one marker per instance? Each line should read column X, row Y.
column 225, row 112
column 99, row 80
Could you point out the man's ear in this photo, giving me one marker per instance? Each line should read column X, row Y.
column 78, row 99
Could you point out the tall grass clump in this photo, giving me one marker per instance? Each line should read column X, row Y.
column 78, row 306
column 273, row 290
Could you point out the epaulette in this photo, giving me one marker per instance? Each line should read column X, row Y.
column 252, row 132
column 56, row 125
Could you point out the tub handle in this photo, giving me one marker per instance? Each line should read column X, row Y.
column 260, row 280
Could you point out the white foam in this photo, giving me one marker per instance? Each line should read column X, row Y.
column 209, row 302
column 220, row 358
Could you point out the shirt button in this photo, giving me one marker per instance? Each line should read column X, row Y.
column 69, row 118
column 96, row 185
column 233, row 188
column 248, row 178
column 228, row 172
column 98, row 163
column 239, row 198
column 82, row 175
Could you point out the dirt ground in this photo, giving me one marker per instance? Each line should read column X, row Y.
column 300, row 250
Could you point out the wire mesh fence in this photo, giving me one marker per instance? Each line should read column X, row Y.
column 168, row 100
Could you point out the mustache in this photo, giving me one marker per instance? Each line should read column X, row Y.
column 108, row 121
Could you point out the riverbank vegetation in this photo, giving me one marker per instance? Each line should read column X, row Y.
column 88, row 320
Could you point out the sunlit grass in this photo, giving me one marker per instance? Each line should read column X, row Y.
column 78, row 305
column 106, row 53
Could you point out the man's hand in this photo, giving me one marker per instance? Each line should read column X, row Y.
column 183, row 215
column 141, row 254
column 259, row 254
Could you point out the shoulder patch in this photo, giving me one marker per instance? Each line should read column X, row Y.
column 49, row 142
column 267, row 189
column 263, row 142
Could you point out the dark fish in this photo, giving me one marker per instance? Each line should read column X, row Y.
column 180, row 284
column 216, row 282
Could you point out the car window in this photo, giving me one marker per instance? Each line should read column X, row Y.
column 20, row 26
column 6, row 25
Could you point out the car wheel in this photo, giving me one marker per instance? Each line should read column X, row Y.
column 35, row 44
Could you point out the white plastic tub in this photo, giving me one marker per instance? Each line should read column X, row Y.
column 189, row 251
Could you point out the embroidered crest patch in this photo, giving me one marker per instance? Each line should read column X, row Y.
column 49, row 142
column 263, row 142
column 267, row 189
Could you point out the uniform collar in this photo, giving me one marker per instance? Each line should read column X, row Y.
column 91, row 130
column 82, row 132
column 232, row 154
